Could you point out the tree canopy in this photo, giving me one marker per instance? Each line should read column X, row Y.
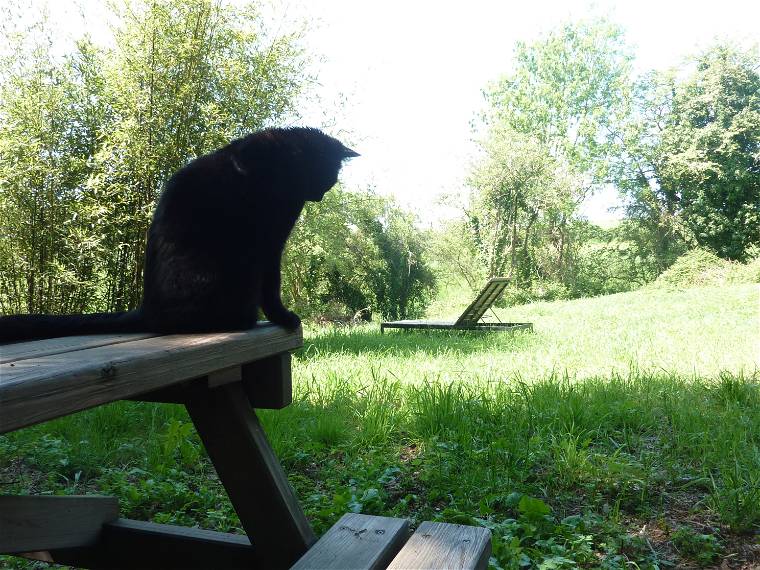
column 689, row 157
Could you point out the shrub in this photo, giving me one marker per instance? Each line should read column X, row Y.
column 702, row 268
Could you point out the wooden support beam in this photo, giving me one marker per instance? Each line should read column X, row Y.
column 359, row 542
column 174, row 394
column 31, row 523
column 268, row 382
column 225, row 376
column 442, row 545
column 250, row 472
column 133, row 544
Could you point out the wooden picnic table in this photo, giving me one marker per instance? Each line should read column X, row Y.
column 220, row 378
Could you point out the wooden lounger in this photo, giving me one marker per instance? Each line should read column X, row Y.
column 470, row 319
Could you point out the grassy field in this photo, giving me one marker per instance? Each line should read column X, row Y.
column 623, row 433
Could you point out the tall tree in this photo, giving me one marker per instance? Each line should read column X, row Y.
column 548, row 134
column 48, row 252
column 521, row 201
column 567, row 91
column 355, row 251
column 689, row 159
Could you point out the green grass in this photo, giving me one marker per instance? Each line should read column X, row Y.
column 625, row 432
column 695, row 332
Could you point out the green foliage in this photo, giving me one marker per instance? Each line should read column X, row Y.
column 405, row 284
column 568, row 118
column 613, row 260
column 566, row 91
column 714, row 164
column 546, row 146
column 183, row 79
column 687, row 156
column 701, row 268
column 48, row 252
column 356, row 253
column 521, row 201
column 703, row 548
column 87, row 141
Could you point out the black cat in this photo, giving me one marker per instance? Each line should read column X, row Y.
column 216, row 240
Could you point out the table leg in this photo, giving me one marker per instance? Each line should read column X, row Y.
column 250, row 472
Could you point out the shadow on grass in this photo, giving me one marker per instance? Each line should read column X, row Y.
column 362, row 340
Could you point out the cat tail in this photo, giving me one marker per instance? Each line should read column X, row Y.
column 31, row 327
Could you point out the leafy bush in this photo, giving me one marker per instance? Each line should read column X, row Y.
column 355, row 252
column 701, row 268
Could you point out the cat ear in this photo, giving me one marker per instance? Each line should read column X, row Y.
column 348, row 153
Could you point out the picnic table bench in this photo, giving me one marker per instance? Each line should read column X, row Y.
column 220, row 378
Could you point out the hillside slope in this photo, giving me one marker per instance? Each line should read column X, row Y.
column 692, row 332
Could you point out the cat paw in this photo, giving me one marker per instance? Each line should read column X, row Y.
column 287, row 319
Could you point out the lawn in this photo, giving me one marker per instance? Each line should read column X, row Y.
column 625, row 429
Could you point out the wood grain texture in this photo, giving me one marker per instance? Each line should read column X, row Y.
column 250, row 472
column 46, row 347
column 126, row 543
column 29, row 523
column 34, row 390
column 441, row 545
column 358, row 542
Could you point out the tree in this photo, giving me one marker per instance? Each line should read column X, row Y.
column 522, row 198
column 48, row 252
column 713, row 165
column 354, row 251
column 567, row 91
column 689, row 157
column 548, row 135
column 185, row 78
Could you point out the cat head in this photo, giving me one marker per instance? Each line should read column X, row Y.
column 300, row 160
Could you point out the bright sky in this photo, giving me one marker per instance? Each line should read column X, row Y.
column 410, row 73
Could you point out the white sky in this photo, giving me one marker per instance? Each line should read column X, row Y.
column 410, row 72
column 413, row 71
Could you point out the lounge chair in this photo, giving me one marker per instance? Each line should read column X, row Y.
column 470, row 319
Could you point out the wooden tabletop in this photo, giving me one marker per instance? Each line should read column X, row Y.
column 46, row 379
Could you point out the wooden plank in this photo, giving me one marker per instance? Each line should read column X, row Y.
column 442, row 545
column 39, row 389
column 359, row 542
column 127, row 543
column 225, row 376
column 250, row 472
column 29, row 523
column 268, row 382
column 46, row 347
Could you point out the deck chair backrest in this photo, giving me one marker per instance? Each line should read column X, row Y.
column 487, row 296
